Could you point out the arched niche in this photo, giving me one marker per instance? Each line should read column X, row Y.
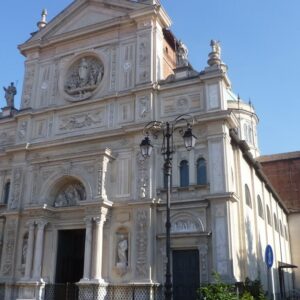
column 66, row 191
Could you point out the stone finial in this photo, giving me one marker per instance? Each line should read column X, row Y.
column 43, row 22
column 214, row 57
column 182, row 55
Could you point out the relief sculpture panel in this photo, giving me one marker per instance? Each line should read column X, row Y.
column 83, row 78
column 90, row 119
column 141, row 243
column 174, row 104
column 9, row 247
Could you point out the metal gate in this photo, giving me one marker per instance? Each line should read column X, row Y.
column 61, row 291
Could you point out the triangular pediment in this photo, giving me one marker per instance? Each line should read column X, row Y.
column 83, row 14
column 92, row 14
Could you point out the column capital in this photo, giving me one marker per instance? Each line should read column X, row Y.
column 99, row 220
column 41, row 224
column 30, row 224
column 88, row 221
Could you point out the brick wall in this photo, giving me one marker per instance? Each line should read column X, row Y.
column 284, row 174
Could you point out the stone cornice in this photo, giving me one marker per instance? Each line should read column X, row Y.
column 43, row 38
column 129, row 129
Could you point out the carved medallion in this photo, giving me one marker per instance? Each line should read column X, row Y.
column 83, row 77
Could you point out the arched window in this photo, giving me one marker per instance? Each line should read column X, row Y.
column 6, row 192
column 184, row 173
column 245, row 132
column 269, row 216
column 280, row 227
column 276, row 223
column 286, row 233
column 260, row 207
column 248, row 196
column 201, row 171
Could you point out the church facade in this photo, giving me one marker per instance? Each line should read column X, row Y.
column 81, row 205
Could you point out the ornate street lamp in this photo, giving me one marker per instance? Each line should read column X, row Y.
column 167, row 129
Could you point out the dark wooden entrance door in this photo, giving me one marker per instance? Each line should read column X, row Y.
column 186, row 277
column 70, row 256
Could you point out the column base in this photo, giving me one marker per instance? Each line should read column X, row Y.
column 98, row 282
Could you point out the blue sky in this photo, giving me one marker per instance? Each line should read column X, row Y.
column 260, row 44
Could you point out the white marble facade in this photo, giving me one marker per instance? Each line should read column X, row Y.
column 93, row 79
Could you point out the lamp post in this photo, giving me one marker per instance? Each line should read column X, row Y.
column 167, row 129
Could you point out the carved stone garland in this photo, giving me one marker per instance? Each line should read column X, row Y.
column 143, row 177
column 83, row 77
column 15, row 195
column 9, row 248
column 141, row 244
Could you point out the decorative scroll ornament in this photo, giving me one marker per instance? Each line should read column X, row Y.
column 83, row 77
column 141, row 243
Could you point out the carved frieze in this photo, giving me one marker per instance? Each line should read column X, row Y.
column 141, row 243
column 44, row 85
column 143, row 59
column 55, row 79
column 10, row 239
column 203, row 251
column 174, row 104
column 83, row 120
column 111, row 113
column 127, row 66
column 7, row 136
column 22, row 131
column 185, row 225
column 16, row 188
column 143, row 107
column 28, row 84
column 113, row 68
column 40, row 129
column 83, row 77
column 126, row 110
column 143, row 177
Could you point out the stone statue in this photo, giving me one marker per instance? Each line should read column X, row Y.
column 214, row 57
column 24, row 250
column 122, row 251
column 215, row 46
column 182, row 55
column 10, row 93
column 83, row 72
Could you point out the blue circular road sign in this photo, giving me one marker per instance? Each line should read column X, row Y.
column 269, row 257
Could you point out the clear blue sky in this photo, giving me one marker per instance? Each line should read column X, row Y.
column 260, row 44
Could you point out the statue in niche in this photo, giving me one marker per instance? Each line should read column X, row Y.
column 182, row 55
column 83, row 72
column 70, row 195
column 10, row 93
column 122, row 251
column 83, row 77
column 24, row 249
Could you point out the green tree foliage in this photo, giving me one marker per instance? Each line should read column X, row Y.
column 249, row 290
column 218, row 290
